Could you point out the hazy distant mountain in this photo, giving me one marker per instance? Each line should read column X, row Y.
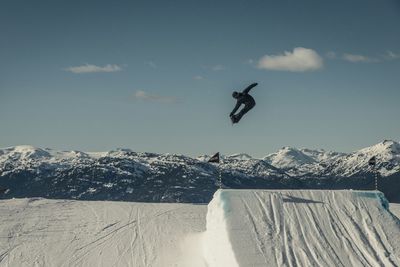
column 289, row 157
column 123, row 174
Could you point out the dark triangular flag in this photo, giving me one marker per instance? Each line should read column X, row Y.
column 215, row 158
column 372, row 161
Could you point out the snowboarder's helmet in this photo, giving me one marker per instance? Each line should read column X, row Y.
column 235, row 94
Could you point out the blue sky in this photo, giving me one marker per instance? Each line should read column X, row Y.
column 158, row 75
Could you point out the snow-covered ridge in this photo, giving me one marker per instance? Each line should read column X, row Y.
column 387, row 154
column 124, row 174
column 320, row 154
column 289, row 157
column 23, row 152
column 317, row 161
column 240, row 156
column 286, row 157
column 27, row 153
column 320, row 162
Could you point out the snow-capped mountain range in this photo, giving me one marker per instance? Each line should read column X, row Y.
column 289, row 157
column 123, row 174
column 320, row 162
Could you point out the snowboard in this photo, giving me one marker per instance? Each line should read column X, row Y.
column 235, row 119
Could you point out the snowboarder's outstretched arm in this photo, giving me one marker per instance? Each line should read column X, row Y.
column 246, row 91
column 235, row 108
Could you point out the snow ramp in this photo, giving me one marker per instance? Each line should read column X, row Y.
column 301, row 228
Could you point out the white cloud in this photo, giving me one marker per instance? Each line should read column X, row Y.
column 218, row 68
column 89, row 68
column 198, row 77
column 391, row 55
column 151, row 64
column 358, row 58
column 301, row 59
column 142, row 95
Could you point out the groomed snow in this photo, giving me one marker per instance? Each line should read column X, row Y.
column 395, row 209
column 237, row 228
column 41, row 232
column 302, row 228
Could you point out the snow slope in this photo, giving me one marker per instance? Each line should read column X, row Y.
column 386, row 152
column 289, row 157
column 301, row 228
column 293, row 158
column 237, row 228
column 395, row 209
column 40, row 232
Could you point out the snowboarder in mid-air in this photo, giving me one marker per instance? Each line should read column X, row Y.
column 242, row 98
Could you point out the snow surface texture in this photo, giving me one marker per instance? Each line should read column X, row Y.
column 395, row 209
column 302, row 228
column 238, row 228
column 41, row 232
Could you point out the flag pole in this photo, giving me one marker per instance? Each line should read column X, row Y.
column 220, row 176
column 372, row 163
column 216, row 159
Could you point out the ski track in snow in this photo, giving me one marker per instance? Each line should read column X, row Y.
column 94, row 233
column 309, row 228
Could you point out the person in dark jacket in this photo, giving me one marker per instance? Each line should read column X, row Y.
column 245, row 99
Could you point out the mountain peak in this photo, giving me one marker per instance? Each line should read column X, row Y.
column 288, row 157
column 24, row 151
column 288, row 148
column 22, row 148
column 392, row 145
column 386, row 148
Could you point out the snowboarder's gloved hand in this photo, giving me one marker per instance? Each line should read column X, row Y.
column 230, row 115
